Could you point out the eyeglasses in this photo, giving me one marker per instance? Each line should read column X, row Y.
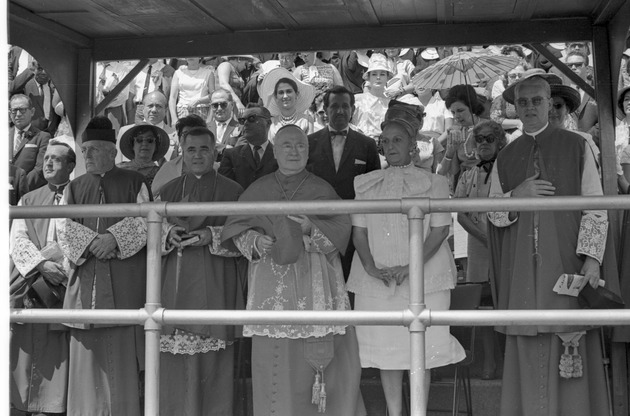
column 480, row 138
column 222, row 104
column 558, row 106
column 140, row 140
column 536, row 101
column 575, row 64
column 514, row 76
column 22, row 110
column 577, row 45
column 250, row 119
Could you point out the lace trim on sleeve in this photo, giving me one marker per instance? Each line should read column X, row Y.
column 318, row 242
column 182, row 342
column 215, row 245
column 74, row 239
column 245, row 244
column 130, row 234
column 502, row 219
column 592, row 236
column 25, row 256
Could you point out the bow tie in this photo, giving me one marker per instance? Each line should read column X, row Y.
column 334, row 133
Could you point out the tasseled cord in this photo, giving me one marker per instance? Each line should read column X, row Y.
column 571, row 364
column 319, row 391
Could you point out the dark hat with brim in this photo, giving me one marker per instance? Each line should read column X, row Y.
column 105, row 135
column 622, row 93
column 161, row 146
column 570, row 95
column 508, row 94
column 407, row 115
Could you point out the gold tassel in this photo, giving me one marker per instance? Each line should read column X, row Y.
column 566, row 362
column 315, row 398
column 322, row 399
column 577, row 362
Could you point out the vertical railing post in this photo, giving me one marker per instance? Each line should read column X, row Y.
column 417, row 329
column 151, row 327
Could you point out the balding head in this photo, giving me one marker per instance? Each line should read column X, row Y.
column 291, row 149
column 154, row 107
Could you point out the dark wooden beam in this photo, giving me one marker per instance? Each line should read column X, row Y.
column 209, row 15
column 536, row 31
column 562, row 67
column 444, row 11
column 121, row 85
column 18, row 15
column 607, row 11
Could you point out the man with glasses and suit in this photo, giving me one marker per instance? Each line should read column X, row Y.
column 27, row 144
column 221, row 121
column 254, row 159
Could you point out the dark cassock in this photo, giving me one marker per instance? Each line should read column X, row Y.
column 298, row 369
column 197, row 361
column 38, row 352
column 106, row 360
column 542, row 372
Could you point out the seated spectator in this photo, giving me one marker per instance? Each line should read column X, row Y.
column 144, row 145
column 321, row 75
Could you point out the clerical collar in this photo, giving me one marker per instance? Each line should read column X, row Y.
column 537, row 132
column 58, row 188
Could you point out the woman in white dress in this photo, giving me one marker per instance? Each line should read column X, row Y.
column 371, row 105
column 192, row 84
column 287, row 99
column 380, row 268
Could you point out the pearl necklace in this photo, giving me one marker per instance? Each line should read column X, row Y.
column 288, row 120
column 401, row 166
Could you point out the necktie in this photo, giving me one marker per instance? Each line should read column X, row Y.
column 147, row 81
column 47, row 99
column 221, row 131
column 18, row 141
column 257, row 154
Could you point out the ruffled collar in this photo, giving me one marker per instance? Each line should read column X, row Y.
column 396, row 182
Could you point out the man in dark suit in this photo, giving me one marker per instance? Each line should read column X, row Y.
column 41, row 90
column 221, row 120
column 247, row 162
column 337, row 153
column 27, row 144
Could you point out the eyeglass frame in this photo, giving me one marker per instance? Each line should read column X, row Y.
column 535, row 101
column 21, row 110
column 222, row 104
column 485, row 137
column 249, row 119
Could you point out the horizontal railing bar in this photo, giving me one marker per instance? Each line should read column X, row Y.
column 564, row 203
column 401, row 317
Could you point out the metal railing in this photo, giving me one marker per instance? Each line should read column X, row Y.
column 417, row 317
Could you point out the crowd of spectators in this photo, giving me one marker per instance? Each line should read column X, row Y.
column 295, row 126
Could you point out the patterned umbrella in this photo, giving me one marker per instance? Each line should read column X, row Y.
column 464, row 68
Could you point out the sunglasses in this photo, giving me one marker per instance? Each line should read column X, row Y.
column 558, row 106
column 222, row 104
column 148, row 140
column 480, row 138
column 250, row 119
column 524, row 102
column 22, row 110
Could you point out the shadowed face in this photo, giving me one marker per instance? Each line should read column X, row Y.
column 339, row 111
column 99, row 156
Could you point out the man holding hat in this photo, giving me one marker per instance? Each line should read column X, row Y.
column 110, row 273
column 531, row 250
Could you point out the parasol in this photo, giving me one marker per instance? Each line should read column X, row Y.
column 463, row 68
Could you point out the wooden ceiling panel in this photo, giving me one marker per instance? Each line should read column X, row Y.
column 391, row 12
column 561, row 8
column 141, row 7
column 176, row 24
column 245, row 14
column 484, row 10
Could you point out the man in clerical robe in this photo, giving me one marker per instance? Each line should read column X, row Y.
column 197, row 361
column 295, row 265
column 111, row 274
column 549, row 369
column 39, row 352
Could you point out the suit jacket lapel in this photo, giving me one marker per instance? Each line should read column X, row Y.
column 327, row 146
column 267, row 155
column 228, row 131
column 347, row 148
column 11, row 136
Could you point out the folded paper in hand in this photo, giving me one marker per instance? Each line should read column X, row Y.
column 572, row 284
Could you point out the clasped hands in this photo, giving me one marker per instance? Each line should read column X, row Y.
column 104, row 246
column 177, row 234
column 388, row 275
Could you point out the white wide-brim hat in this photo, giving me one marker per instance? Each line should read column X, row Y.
column 305, row 92
column 379, row 62
column 429, row 54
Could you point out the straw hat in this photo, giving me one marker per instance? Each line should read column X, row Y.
column 161, row 147
column 305, row 92
column 379, row 62
column 508, row 94
column 362, row 58
column 570, row 95
column 559, row 46
column 429, row 54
